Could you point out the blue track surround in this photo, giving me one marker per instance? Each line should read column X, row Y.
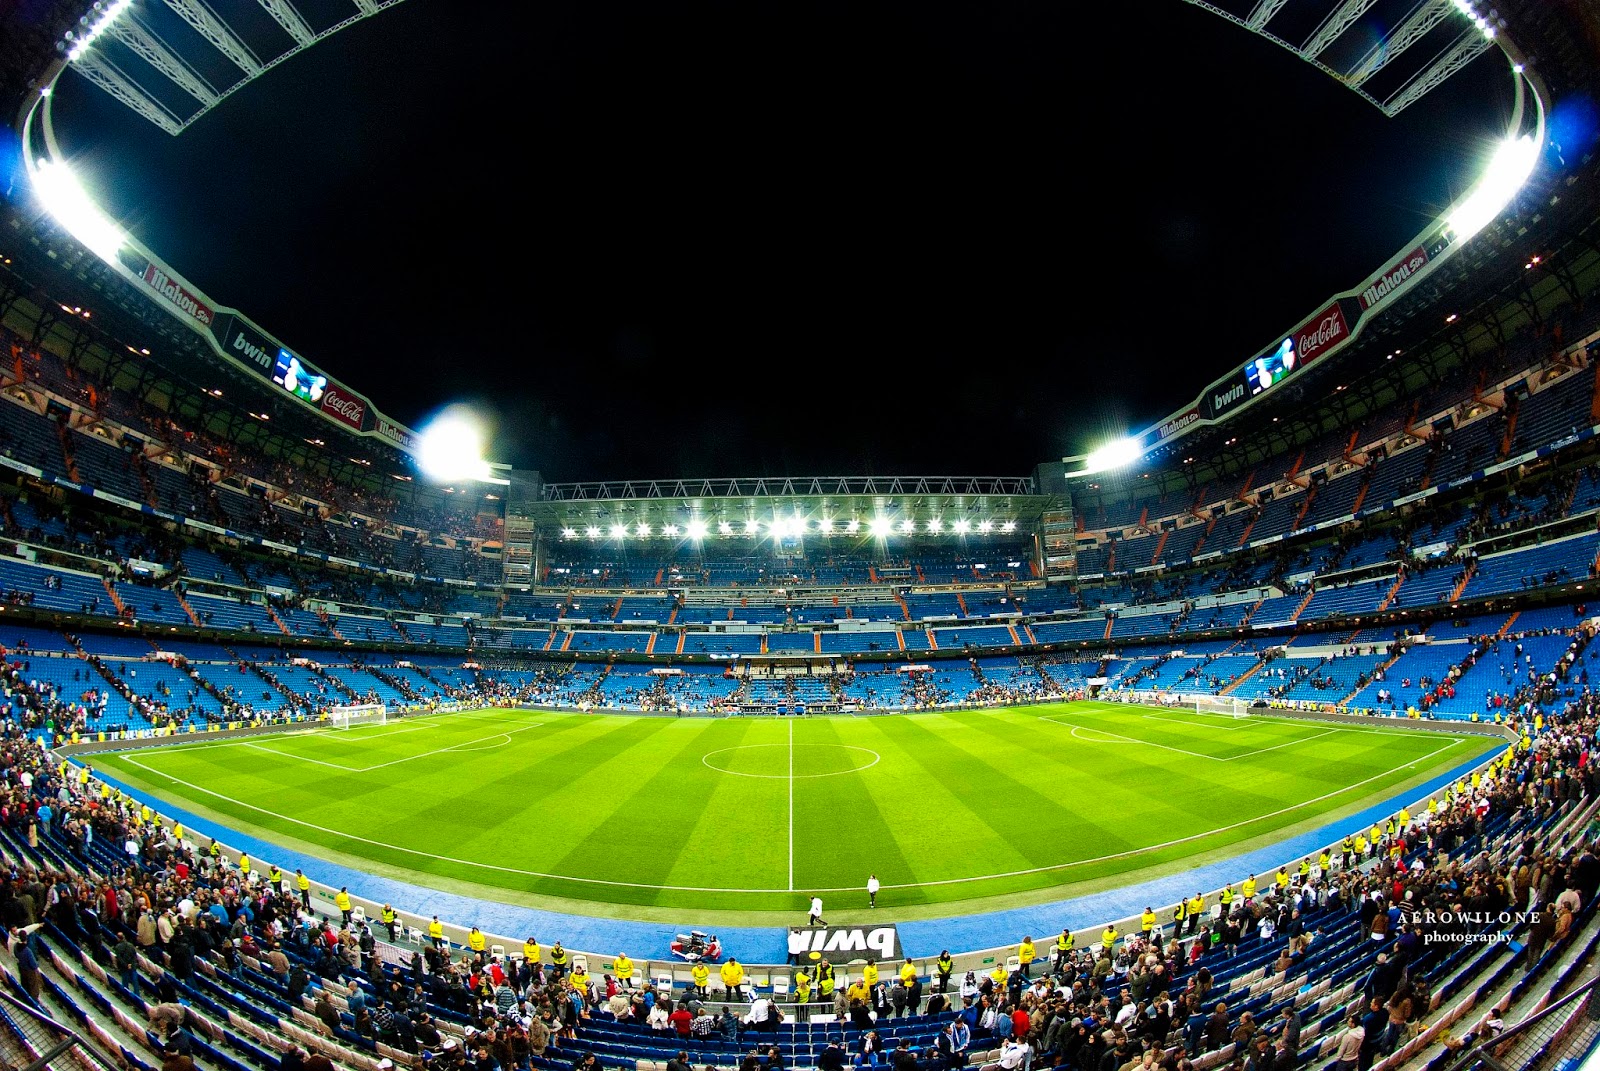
column 767, row 944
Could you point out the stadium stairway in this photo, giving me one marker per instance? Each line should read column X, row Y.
column 239, row 1020
column 1246, row 675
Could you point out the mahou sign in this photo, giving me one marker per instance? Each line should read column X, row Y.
column 344, row 405
column 1394, row 277
column 177, row 295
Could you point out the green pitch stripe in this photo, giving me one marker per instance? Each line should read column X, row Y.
column 862, row 809
column 653, row 813
column 937, row 826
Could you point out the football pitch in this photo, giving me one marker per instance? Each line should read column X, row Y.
column 752, row 815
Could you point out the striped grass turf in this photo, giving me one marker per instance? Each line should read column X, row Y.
column 747, row 814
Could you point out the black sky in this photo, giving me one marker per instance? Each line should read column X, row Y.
column 732, row 239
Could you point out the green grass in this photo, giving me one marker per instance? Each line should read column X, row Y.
column 754, row 815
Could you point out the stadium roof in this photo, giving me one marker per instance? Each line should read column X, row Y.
column 622, row 362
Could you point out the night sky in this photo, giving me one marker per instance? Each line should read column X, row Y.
column 734, row 239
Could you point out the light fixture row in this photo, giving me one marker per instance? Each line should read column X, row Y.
column 793, row 528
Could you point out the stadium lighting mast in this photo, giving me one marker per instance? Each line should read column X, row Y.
column 1116, row 454
column 450, row 448
column 1508, row 169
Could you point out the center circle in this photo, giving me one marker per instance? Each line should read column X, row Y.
column 783, row 761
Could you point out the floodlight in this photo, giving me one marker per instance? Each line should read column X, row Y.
column 1114, row 455
column 724, row 528
column 825, row 526
column 619, row 531
column 569, row 533
column 751, row 526
column 643, row 531
column 697, row 529
column 65, row 199
column 669, row 530
column 852, row 526
column 935, row 524
column 985, row 527
column 1508, row 169
column 593, row 531
column 450, row 448
column 80, row 39
column 962, row 527
column 1009, row 526
column 908, row 526
column 879, row 526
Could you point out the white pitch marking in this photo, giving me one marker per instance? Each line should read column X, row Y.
column 1181, row 751
column 705, row 761
column 465, row 745
column 791, row 805
column 701, row 888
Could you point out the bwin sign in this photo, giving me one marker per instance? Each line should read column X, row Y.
column 840, row 944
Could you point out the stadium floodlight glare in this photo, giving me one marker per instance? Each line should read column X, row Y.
column 64, row 197
column 569, row 533
column 450, row 448
column 1114, row 455
column 908, row 526
column 935, row 524
column 724, row 528
column 1009, row 526
column 593, row 531
column 669, row 529
column 697, row 529
column 1508, row 169
column 961, row 527
column 751, row 526
column 642, row 531
column 852, row 526
column 879, row 526
column 825, row 525
column 89, row 28
column 619, row 531
column 985, row 527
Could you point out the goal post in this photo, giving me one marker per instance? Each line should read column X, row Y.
column 347, row 717
column 1225, row 705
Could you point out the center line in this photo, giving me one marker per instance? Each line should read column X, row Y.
column 791, row 805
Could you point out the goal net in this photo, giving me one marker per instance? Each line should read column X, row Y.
column 1225, row 705
column 358, row 714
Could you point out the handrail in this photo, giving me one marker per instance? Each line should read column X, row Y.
column 57, row 1047
column 1490, row 1054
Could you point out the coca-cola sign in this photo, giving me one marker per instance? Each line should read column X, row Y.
column 344, row 405
column 177, row 296
column 1321, row 334
column 1394, row 277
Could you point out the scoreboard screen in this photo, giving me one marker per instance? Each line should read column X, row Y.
column 298, row 378
column 1268, row 370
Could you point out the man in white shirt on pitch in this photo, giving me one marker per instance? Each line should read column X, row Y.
column 816, row 912
column 872, row 890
